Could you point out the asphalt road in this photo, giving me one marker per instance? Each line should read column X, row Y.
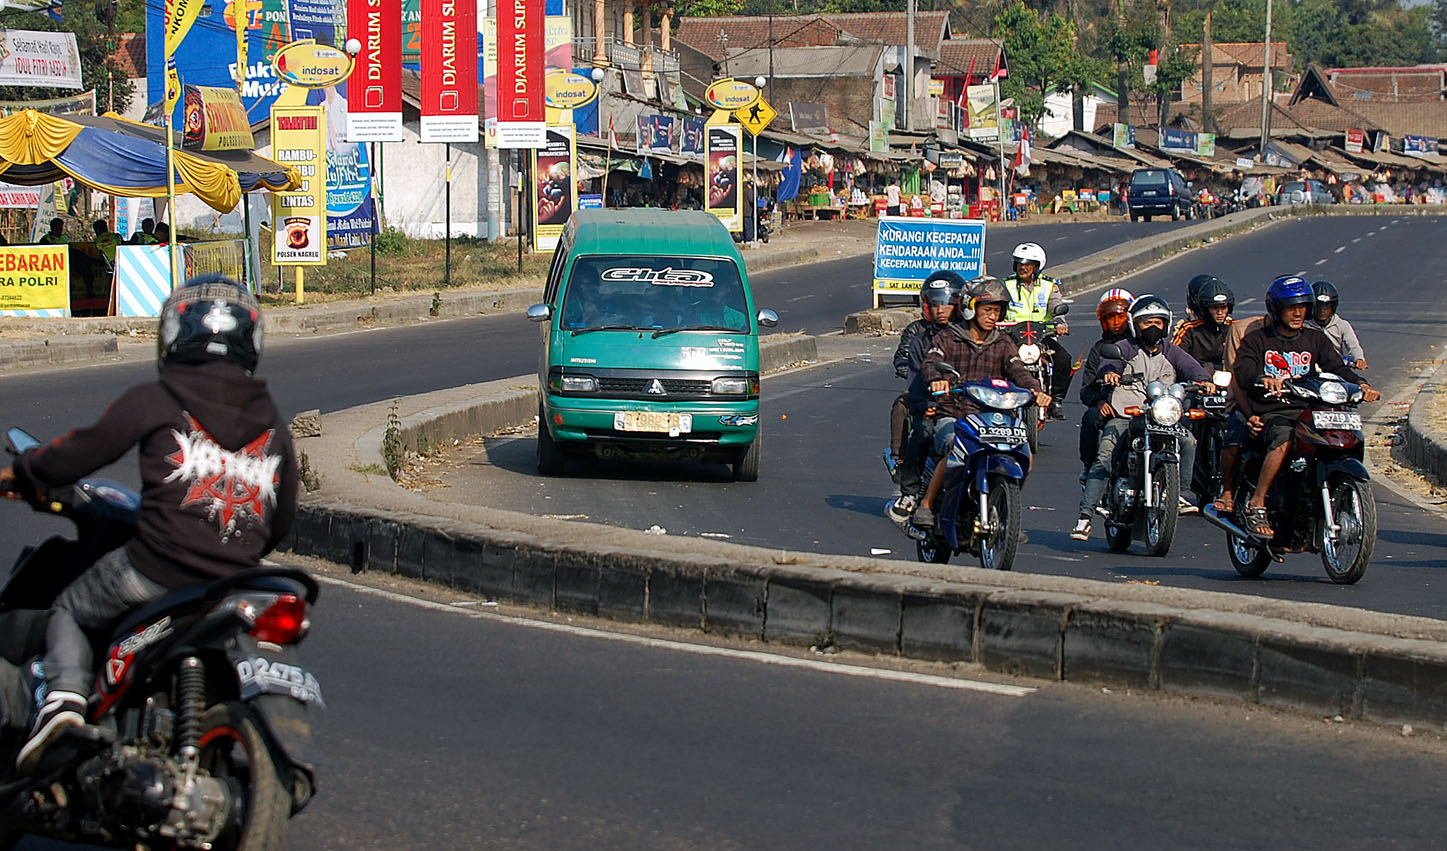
column 823, row 487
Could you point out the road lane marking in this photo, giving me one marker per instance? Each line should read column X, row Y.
column 841, row 669
column 1246, row 302
column 1357, row 239
column 1339, row 249
column 1321, row 261
column 1090, row 230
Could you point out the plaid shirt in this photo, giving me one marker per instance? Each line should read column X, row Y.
column 997, row 357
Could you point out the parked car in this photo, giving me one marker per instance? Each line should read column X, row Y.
column 1304, row 192
column 1159, row 191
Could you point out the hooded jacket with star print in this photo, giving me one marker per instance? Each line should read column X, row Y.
column 218, row 470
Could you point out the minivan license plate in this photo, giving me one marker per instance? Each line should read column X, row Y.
column 1337, row 419
column 653, row 422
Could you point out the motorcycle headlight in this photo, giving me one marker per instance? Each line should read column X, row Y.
column 1155, row 388
column 1333, row 393
column 1166, row 410
column 1006, row 400
column 729, row 386
column 579, row 384
column 1030, row 354
column 1178, row 391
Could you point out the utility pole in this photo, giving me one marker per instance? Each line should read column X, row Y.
column 908, row 61
column 1163, row 97
column 1266, row 87
column 1208, row 119
column 1122, row 73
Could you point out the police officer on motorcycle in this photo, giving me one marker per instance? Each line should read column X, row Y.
column 1033, row 298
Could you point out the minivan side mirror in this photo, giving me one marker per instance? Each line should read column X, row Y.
column 768, row 318
column 540, row 312
column 18, row 440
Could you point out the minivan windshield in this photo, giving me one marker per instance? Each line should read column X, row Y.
column 652, row 293
column 1149, row 177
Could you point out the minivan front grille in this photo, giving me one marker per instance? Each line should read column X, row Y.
column 639, row 386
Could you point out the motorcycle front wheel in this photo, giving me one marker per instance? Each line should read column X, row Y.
column 233, row 750
column 1161, row 520
column 1354, row 509
column 997, row 550
column 1033, row 413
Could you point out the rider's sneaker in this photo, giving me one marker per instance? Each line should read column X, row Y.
column 63, row 710
column 923, row 517
column 902, row 508
column 1188, row 507
column 1057, row 411
column 1081, row 532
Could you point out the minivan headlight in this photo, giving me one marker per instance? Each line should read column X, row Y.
column 579, row 384
column 735, row 386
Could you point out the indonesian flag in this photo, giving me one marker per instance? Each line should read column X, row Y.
column 1022, row 154
column 612, row 135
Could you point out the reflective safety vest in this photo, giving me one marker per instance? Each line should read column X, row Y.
column 1029, row 304
column 107, row 243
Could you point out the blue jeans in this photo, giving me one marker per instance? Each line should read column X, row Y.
column 1098, row 475
column 93, row 603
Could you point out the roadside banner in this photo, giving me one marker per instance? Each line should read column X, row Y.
column 721, row 157
column 298, row 138
column 1418, row 146
column 81, row 104
column 554, row 166
column 983, row 106
column 34, row 280
column 907, row 250
column 521, row 121
column 655, row 134
column 215, row 121
column 14, row 197
column 45, row 59
column 1177, row 140
column 558, row 44
column 1354, row 140
column 691, row 143
column 449, row 71
column 1206, row 145
column 1123, row 136
column 374, row 90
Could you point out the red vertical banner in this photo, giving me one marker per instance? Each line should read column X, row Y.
column 374, row 89
column 521, row 121
column 449, row 71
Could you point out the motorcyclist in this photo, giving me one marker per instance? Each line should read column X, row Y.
column 1324, row 318
column 1033, row 298
column 218, row 484
column 1155, row 359
column 1113, row 311
column 977, row 350
column 939, row 300
column 1285, row 348
column 1204, row 337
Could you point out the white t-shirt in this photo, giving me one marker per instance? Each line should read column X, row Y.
column 891, row 194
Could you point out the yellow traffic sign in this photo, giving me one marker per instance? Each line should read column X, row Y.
column 757, row 117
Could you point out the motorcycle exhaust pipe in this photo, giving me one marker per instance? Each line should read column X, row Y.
column 1209, row 512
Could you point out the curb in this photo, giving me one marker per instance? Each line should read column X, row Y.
column 58, row 351
column 1320, row 659
column 1424, row 446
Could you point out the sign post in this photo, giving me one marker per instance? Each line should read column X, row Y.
column 298, row 138
column 754, row 119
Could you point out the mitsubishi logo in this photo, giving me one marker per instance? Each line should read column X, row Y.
column 654, row 388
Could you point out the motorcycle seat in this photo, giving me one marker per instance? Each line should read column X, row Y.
column 268, row 579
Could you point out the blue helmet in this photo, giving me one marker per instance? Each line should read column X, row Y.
column 1286, row 291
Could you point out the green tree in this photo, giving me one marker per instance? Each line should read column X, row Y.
column 88, row 19
column 1041, row 50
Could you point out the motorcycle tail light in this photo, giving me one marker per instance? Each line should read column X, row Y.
column 283, row 622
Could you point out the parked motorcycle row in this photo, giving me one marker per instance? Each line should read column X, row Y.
column 1321, row 503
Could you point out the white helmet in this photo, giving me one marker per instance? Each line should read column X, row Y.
column 1150, row 306
column 1029, row 252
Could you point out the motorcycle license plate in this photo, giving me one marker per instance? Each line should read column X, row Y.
column 1160, row 429
column 260, row 675
column 1214, row 401
column 1003, row 434
column 1350, row 420
column 653, row 422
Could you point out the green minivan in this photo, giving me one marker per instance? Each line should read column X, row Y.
column 650, row 342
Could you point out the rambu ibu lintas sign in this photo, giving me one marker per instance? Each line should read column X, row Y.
column 521, row 121
column 374, row 90
column 449, row 71
column 298, row 139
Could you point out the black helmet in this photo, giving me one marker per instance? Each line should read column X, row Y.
column 943, row 288
column 1212, row 293
column 1192, row 286
column 1325, row 295
column 209, row 318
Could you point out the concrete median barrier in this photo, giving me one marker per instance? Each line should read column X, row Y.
column 1424, row 440
column 1314, row 658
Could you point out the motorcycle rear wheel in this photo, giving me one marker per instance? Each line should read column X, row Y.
column 233, row 748
column 1355, row 510
column 1161, row 520
column 997, row 552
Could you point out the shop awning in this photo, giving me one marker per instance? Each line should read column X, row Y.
column 111, row 154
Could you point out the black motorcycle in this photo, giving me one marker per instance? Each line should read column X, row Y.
column 1034, row 338
column 1321, row 501
column 1210, row 437
column 198, row 732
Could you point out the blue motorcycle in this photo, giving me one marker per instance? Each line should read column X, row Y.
column 979, row 507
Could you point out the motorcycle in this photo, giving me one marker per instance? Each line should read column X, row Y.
column 1210, row 439
column 1321, row 501
column 197, row 734
column 979, row 507
column 1143, row 495
column 1033, row 339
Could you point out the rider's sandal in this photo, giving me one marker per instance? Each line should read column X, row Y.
column 1257, row 522
column 1223, row 505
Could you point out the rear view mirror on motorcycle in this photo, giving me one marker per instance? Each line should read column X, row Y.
column 1061, row 309
column 1221, row 378
column 946, row 369
column 1112, row 351
column 18, row 440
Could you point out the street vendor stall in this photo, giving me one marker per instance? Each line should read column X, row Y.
column 117, row 156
